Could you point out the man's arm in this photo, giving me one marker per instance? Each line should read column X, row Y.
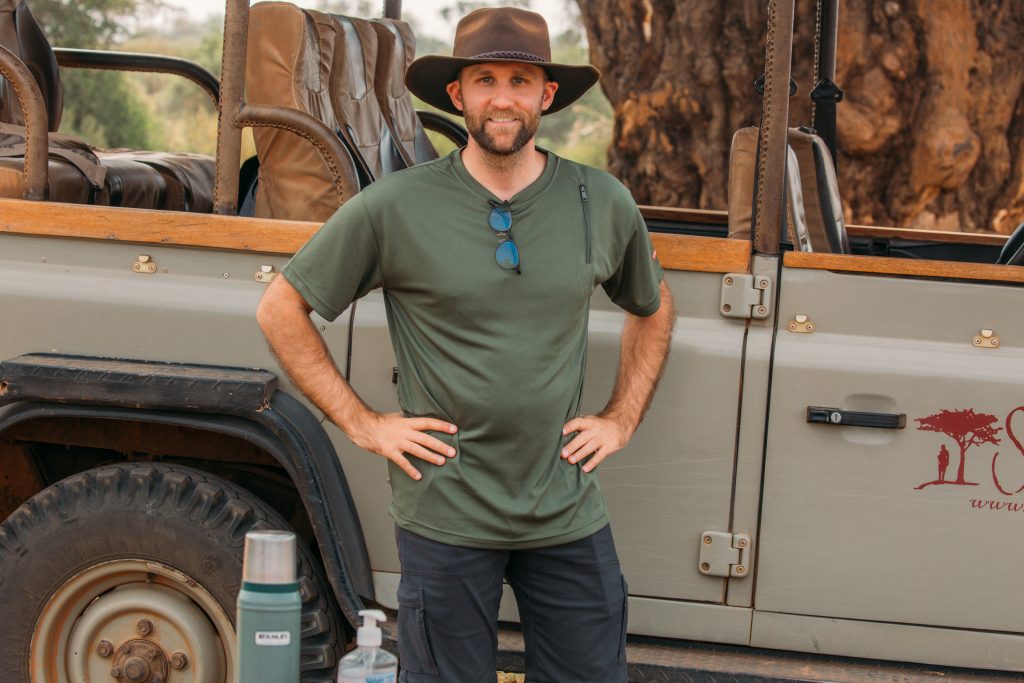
column 642, row 356
column 283, row 315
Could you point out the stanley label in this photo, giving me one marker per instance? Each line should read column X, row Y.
column 273, row 638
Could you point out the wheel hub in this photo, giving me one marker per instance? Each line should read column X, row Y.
column 132, row 621
column 140, row 661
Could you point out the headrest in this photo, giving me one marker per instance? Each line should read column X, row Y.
column 20, row 34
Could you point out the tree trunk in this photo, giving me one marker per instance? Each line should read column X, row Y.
column 931, row 131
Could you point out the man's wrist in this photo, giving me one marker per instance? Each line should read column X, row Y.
column 627, row 423
column 352, row 420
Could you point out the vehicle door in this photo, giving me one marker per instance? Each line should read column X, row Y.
column 893, row 467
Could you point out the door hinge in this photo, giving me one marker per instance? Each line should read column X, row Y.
column 724, row 554
column 746, row 296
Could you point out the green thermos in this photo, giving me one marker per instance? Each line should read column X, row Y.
column 269, row 610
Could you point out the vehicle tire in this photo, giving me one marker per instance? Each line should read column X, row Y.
column 140, row 555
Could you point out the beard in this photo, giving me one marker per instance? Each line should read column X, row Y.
column 476, row 126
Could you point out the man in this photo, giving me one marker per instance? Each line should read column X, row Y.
column 487, row 260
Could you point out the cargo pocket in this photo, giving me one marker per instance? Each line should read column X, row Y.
column 413, row 645
column 625, row 621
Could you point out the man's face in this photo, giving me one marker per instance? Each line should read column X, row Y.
column 502, row 103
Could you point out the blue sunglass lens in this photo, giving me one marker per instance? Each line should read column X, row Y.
column 500, row 219
column 507, row 255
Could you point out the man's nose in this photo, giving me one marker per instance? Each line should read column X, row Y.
column 502, row 97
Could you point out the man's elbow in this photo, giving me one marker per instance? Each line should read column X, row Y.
column 274, row 306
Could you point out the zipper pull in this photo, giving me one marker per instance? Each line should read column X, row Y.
column 583, row 192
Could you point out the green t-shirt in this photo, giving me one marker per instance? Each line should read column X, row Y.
column 498, row 353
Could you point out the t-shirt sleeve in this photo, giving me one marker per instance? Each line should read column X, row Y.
column 635, row 285
column 340, row 263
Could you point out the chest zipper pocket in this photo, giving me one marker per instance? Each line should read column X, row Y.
column 585, row 200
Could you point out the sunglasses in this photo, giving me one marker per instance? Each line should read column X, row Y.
column 500, row 220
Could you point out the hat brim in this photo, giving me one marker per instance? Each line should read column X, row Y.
column 428, row 76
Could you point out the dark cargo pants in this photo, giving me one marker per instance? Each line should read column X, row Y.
column 572, row 604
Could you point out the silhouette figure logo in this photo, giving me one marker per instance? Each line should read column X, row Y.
column 967, row 429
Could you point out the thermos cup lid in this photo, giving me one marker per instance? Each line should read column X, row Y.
column 269, row 557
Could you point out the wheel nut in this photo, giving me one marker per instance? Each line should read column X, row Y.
column 179, row 660
column 116, row 672
column 144, row 627
column 152, row 653
column 105, row 648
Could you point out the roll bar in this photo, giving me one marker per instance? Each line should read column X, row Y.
column 37, row 137
column 136, row 61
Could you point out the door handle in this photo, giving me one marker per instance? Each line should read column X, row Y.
column 852, row 418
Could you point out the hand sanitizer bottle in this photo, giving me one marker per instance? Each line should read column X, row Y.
column 368, row 663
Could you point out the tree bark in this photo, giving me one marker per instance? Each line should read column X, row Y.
column 931, row 131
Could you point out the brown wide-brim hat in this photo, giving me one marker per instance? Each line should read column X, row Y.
column 497, row 34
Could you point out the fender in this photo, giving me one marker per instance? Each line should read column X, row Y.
column 234, row 401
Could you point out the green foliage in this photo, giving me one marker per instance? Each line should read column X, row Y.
column 87, row 23
column 183, row 117
column 103, row 108
column 100, row 106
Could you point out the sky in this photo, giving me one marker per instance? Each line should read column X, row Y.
column 426, row 12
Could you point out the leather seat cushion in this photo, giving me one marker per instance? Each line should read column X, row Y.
column 188, row 178
column 130, row 183
column 66, row 183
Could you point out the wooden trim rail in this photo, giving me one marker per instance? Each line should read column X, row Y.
column 171, row 228
column 880, row 265
column 915, row 235
column 702, row 254
column 269, row 236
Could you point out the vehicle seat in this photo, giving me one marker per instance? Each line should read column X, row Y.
column 396, row 51
column 354, row 94
column 1012, row 253
column 742, row 166
column 290, row 59
column 822, row 205
column 332, row 68
column 78, row 172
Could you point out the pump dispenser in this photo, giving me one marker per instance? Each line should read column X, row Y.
column 368, row 663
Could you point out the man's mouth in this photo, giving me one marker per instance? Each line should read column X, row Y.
column 503, row 119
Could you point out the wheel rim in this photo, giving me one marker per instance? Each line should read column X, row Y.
column 132, row 621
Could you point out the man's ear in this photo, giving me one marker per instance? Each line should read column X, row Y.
column 455, row 92
column 550, row 87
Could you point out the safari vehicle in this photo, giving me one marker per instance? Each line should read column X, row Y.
column 829, row 481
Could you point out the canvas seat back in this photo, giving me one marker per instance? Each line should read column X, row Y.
column 822, row 206
column 290, row 58
column 354, row 94
column 742, row 167
column 396, row 51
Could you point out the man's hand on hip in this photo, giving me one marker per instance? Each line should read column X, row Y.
column 395, row 437
column 597, row 436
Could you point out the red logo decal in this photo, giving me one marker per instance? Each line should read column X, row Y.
column 1020, row 449
column 966, row 428
column 654, row 255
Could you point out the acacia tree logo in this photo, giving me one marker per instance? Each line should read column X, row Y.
column 967, row 428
